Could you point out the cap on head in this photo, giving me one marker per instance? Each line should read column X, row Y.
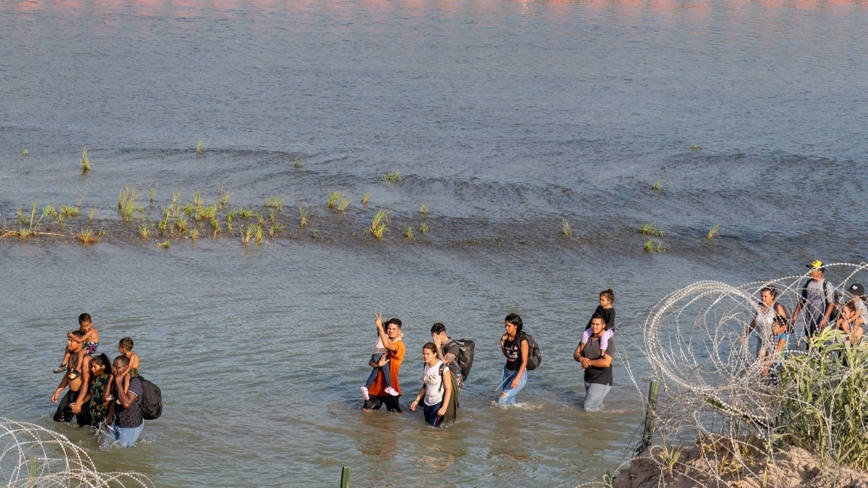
column 816, row 265
column 856, row 289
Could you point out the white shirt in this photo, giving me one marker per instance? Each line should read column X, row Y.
column 433, row 382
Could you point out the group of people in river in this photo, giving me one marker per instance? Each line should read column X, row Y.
column 820, row 307
column 102, row 393
column 447, row 360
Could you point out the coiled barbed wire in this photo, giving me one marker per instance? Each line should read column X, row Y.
column 714, row 393
column 33, row 456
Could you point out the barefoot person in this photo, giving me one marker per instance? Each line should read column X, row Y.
column 597, row 363
column 76, row 378
column 515, row 347
column 438, row 388
column 390, row 334
column 89, row 339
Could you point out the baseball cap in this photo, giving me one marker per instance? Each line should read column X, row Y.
column 856, row 289
column 816, row 265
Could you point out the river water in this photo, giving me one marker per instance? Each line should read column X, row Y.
column 504, row 117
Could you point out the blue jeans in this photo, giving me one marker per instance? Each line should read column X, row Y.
column 431, row 414
column 509, row 393
column 122, row 436
column 387, row 378
column 595, row 393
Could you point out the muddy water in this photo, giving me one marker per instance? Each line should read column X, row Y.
column 503, row 117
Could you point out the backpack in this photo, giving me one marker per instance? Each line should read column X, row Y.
column 534, row 357
column 151, row 401
column 464, row 360
column 835, row 293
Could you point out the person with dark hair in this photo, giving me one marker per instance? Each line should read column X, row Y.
column 125, row 417
column 447, row 349
column 606, row 309
column 438, row 389
column 390, row 334
column 125, row 347
column 857, row 293
column 89, row 339
column 817, row 300
column 771, row 357
column 515, row 347
column 597, row 363
column 767, row 310
column 851, row 323
column 76, row 378
column 98, row 396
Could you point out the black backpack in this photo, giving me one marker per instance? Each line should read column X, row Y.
column 151, row 401
column 464, row 360
column 534, row 357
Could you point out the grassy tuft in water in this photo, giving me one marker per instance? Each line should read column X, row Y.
column 694, row 147
column 85, row 236
column 565, row 228
column 25, row 152
column 408, row 233
column 144, row 231
column 303, row 212
column 224, row 199
column 651, row 230
column 297, row 163
column 194, row 233
column 423, row 228
column 658, row 185
column 91, row 213
column 127, row 202
column 392, row 177
column 176, row 196
column 365, row 198
column 333, row 198
column 424, row 209
column 68, row 211
column 274, row 202
column 199, row 148
column 85, row 162
column 274, row 229
column 654, row 246
column 164, row 244
column 379, row 224
column 343, row 203
column 715, row 231
column 152, row 193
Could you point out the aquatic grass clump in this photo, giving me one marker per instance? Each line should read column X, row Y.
column 303, row 212
column 297, row 163
column 85, row 236
column 715, row 231
column 365, row 198
column 651, row 230
column 653, row 246
column 194, row 233
column 197, row 199
column 392, row 177
column 91, row 213
column 225, row 199
column 144, row 231
column 25, row 152
column 274, row 202
column 244, row 213
column 181, row 225
column 208, row 212
column 274, row 229
column 408, row 233
column 333, row 198
column 164, row 245
column 85, row 162
column 253, row 231
column 343, row 203
column 565, row 228
column 69, row 211
column 694, row 147
column 199, row 148
column 658, row 185
column 127, row 202
column 176, row 196
column 423, row 228
column 379, row 224
column 152, row 193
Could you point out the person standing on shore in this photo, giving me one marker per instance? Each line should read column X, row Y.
column 597, row 364
column 515, row 347
column 390, row 335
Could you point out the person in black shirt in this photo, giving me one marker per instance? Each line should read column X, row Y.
column 606, row 309
column 125, row 418
column 597, row 363
column 447, row 349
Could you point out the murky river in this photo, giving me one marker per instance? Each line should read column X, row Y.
column 502, row 117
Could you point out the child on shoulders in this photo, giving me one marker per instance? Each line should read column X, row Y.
column 89, row 340
column 606, row 310
column 125, row 347
column 379, row 351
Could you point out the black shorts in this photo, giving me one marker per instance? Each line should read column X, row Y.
column 392, row 403
column 64, row 410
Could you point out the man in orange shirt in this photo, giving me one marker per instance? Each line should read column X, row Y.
column 390, row 334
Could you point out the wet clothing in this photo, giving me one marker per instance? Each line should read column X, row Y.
column 375, row 402
column 508, row 398
column 608, row 315
column 430, row 413
column 128, row 418
column 387, row 375
column 378, row 387
column 64, row 410
column 513, row 352
column 90, row 347
column 433, row 379
column 95, row 407
column 592, row 350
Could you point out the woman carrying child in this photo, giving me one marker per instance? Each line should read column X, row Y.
column 438, row 388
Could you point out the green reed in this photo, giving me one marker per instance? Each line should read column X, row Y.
column 152, row 193
column 225, row 199
column 85, row 162
column 653, row 246
column 379, row 224
column 424, row 209
column 304, row 213
column 297, row 163
column 197, row 199
column 144, row 231
column 343, row 203
column 392, row 177
column 694, row 147
column 423, row 228
column 86, row 236
column 365, row 198
column 274, row 202
column 565, row 228
column 25, row 152
column 715, row 231
column 658, row 185
column 408, row 233
column 199, row 148
column 333, row 198
column 651, row 230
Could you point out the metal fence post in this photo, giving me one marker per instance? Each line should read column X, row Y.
column 650, row 414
